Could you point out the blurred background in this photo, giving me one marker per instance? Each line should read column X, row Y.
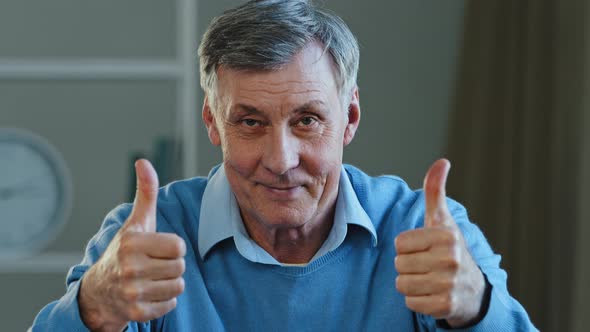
column 500, row 88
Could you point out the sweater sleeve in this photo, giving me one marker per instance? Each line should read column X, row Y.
column 64, row 314
column 504, row 313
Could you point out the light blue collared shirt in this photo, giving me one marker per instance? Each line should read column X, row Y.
column 220, row 219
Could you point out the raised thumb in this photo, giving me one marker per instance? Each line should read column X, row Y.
column 435, row 181
column 143, row 215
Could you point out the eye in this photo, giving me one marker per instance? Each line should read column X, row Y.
column 307, row 121
column 250, row 122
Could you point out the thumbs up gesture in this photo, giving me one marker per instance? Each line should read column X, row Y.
column 437, row 274
column 140, row 273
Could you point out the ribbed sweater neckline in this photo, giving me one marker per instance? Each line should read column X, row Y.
column 300, row 271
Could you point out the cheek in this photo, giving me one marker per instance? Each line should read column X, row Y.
column 323, row 155
column 241, row 157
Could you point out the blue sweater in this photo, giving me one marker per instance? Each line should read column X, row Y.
column 351, row 288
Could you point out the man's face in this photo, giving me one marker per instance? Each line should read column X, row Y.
column 282, row 135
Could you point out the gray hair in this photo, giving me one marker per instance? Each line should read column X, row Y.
column 263, row 35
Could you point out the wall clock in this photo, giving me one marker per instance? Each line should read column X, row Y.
column 35, row 192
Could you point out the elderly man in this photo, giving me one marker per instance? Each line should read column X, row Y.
column 282, row 236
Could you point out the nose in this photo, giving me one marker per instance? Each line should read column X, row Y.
column 281, row 152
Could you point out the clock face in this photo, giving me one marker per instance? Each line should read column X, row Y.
column 35, row 193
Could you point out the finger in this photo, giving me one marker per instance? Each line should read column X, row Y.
column 438, row 306
column 435, row 192
column 416, row 263
column 436, row 259
column 161, row 245
column 163, row 290
column 423, row 284
column 145, row 311
column 143, row 215
column 417, row 240
column 162, row 269
column 142, row 267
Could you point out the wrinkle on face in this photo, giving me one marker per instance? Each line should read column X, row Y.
column 275, row 149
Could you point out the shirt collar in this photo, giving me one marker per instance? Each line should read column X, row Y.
column 220, row 219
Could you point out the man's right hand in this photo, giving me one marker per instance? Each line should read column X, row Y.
column 139, row 275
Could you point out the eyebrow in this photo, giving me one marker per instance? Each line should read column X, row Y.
column 248, row 109
column 314, row 104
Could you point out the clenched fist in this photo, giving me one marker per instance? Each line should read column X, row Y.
column 436, row 271
column 139, row 275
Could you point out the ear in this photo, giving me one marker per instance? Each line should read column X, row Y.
column 210, row 123
column 354, row 117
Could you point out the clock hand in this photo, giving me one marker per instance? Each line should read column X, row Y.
column 23, row 183
column 23, row 187
column 11, row 192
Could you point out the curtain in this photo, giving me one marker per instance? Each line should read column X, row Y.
column 581, row 309
column 513, row 143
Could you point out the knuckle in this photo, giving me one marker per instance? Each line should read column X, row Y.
column 411, row 304
column 398, row 242
column 129, row 271
column 451, row 263
column 396, row 262
column 127, row 245
column 127, row 237
column 171, row 305
column 456, row 258
column 182, row 266
column 445, row 306
column 174, row 245
column 131, row 293
column 399, row 284
column 439, row 216
column 447, row 284
column 164, row 307
column 179, row 286
column 179, row 247
column 121, row 254
column 137, row 313
column 399, row 263
column 449, row 237
column 457, row 235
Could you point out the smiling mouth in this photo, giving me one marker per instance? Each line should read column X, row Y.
column 279, row 185
column 285, row 192
column 280, row 188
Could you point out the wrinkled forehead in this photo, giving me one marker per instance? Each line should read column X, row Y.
column 311, row 74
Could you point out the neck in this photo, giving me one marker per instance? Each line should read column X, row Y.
column 292, row 245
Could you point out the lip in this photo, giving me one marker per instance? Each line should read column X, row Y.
column 280, row 188
column 281, row 192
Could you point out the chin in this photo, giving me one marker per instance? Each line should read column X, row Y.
column 286, row 219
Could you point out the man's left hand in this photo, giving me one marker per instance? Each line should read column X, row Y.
column 437, row 274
